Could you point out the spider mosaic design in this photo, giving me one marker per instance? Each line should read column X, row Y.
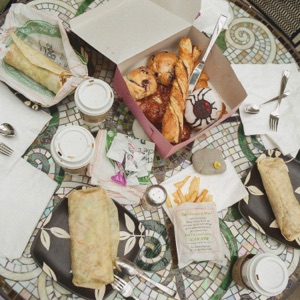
column 202, row 111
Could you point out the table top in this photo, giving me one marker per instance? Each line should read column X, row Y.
column 248, row 40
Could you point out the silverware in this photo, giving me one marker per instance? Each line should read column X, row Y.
column 199, row 68
column 123, row 287
column 7, row 130
column 133, row 270
column 255, row 108
column 274, row 116
column 4, row 149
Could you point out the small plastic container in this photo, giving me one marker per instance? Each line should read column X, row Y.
column 263, row 273
column 154, row 197
column 73, row 148
column 93, row 98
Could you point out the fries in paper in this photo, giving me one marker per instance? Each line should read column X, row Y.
column 189, row 190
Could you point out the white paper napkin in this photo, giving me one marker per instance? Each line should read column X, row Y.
column 262, row 82
column 24, row 195
column 24, row 190
column 27, row 122
column 226, row 188
column 209, row 14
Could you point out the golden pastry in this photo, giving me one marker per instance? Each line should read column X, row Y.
column 162, row 65
column 141, row 82
column 173, row 120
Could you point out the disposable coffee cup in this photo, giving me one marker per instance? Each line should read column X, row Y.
column 237, row 270
column 93, row 98
column 263, row 273
column 73, row 148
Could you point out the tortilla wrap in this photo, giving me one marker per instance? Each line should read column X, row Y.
column 35, row 65
column 94, row 231
column 280, row 192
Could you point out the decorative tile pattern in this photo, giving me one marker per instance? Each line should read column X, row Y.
column 247, row 41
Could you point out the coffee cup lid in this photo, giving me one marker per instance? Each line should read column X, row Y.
column 269, row 275
column 73, row 147
column 94, row 97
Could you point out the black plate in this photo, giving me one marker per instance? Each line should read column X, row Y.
column 258, row 211
column 56, row 261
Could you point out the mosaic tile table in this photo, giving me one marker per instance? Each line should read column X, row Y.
column 247, row 40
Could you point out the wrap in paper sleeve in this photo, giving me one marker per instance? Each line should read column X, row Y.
column 36, row 57
column 35, row 65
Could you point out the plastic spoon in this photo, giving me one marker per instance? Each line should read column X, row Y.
column 7, row 130
column 133, row 270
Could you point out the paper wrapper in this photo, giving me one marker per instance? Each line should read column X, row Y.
column 46, row 34
column 102, row 169
column 197, row 232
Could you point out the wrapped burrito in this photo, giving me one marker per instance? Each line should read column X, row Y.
column 94, row 231
column 35, row 65
column 285, row 206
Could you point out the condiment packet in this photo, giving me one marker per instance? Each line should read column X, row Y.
column 118, row 148
column 197, row 233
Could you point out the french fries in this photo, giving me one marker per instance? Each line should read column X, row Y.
column 194, row 192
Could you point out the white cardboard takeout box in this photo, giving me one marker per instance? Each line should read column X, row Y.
column 129, row 31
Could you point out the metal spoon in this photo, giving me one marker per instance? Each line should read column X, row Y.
column 7, row 130
column 133, row 270
column 255, row 108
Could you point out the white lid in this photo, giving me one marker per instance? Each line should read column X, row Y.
column 73, row 147
column 94, row 97
column 268, row 274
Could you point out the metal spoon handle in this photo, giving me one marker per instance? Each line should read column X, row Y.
column 287, row 93
column 198, row 70
column 284, row 81
column 158, row 285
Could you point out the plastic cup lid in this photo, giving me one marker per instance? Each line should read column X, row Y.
column 73, row 147
column 94, row 97
column 269, row 275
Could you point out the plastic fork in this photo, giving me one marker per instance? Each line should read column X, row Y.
column 123, row 287
column 274, row 115
column 4, row 149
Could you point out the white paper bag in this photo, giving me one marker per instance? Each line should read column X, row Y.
column 197, row 232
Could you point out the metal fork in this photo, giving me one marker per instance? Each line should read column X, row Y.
column 123, row 287
column 4, row 149
column 274, row 115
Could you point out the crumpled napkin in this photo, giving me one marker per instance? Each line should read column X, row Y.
column 24, row 195
column 262, row 82
column 226, row 188
column 24, row 190
column 209, row 14
column 103, row 171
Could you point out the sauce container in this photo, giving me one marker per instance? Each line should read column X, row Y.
column 154, row 196
column 93, row 98
column 73, row 148
column 263, row 273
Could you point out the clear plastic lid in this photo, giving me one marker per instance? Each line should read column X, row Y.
column 73, row 147
column 94, row 97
